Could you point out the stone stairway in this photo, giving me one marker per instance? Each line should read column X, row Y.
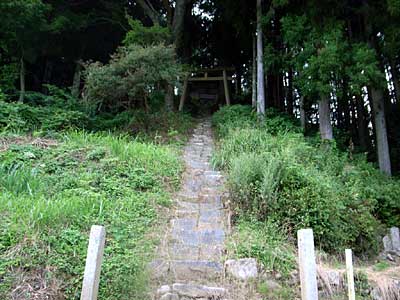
column 190, row 264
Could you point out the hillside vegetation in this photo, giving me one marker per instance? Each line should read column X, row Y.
column 277, row 176
column 58, row 180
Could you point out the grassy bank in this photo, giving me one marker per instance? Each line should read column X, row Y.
column 56, row 181
column 282, row 182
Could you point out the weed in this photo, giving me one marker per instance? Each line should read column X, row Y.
column 381, row 266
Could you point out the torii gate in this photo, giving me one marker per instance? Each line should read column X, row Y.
column 195, row 76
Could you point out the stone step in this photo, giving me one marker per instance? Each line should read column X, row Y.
column 198, row 237
column 187, row 205
column 198, row 164
column 188, row 270
column 180, row 291
column 195, row 270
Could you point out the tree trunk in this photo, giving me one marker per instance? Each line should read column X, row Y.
column 22, row 80
column 48, row 70
column 325, row 125
column 303, row 120
column 178, row 24
column 169, row 97
column 381, row 131
column 289, row 98
column 149, row 11
column 362, row 124
column 254, row 74
column 76, row 83
column 260, row 65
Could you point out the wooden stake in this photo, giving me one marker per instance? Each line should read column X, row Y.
column 91, row 278
column 350, row 274
column 307, row 265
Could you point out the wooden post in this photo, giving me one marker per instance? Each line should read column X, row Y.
column 226, row 87
column 91, row 278
column 183, row 96
column 350, row 274
column 307, row 265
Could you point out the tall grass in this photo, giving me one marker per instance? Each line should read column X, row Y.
column 275, row 174
column 49, row 198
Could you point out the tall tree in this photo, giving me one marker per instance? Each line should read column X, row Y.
column 260, row 64
column 177, row 25
column 254, row 74
column 381, row 130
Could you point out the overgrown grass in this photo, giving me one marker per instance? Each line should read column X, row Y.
column 50, row 197
column 276, row 175
column 265, row 241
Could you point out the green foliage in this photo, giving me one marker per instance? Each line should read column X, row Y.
column 60, row 111
column 23, row 117
column 8, row 75
column 364, row 69
column 394, row 7
column 324, row 56
column 381, row 266
column 50, row 197
column 146, row 36
column 264, row 241
column 21, row 25
column 275, row 174
column 2, row 96
column 130, row 78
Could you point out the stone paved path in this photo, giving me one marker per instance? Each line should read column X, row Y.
column 191, row 254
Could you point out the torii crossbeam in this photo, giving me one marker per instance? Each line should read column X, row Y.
column 203, row 75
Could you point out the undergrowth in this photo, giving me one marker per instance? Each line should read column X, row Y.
column 276, row 175
column 265, row 241
column 50, row 197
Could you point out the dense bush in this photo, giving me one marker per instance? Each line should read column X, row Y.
column 58, row 110
column 24, row 117
column 275, row 174
column 130, row 78
column 168, row 126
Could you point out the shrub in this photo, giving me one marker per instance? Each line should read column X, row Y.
column 274, row 173
column 131, row 76
column 24, row 117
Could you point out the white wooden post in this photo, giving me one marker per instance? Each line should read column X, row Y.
column 350, row 274
column 91, row 278
column 307, row 265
